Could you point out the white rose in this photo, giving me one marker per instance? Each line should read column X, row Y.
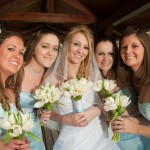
column 109, row 85
column 67, row 94
column 28, row 125
column 39, row 104
column 17, row 130
column 5, row 124
column 98, row 86
column 125, row 101
column 112, row 85
column 110, row 104
column 117, row 99
column 25, row 117
column 106, row 84
column 11, row 118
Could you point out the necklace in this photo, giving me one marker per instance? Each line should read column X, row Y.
column 34, row 73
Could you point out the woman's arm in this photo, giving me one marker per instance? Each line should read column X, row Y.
column 78, row 119
column 82, row 119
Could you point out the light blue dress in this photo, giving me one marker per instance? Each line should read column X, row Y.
column 132, row 141
column 145, row 110
column 27, row 103
column 2, row 112
column 91, row 137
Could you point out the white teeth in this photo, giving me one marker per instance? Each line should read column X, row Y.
column 49, row 59
column 78, row 56
column 105, row 63
column 128, row 57
column 12, row 62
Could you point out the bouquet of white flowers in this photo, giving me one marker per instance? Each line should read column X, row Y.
column 105, row 86
column 47, row 96
column 116, row 105
column 74, row 89
column 17, row 124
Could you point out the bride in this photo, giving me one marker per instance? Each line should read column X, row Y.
column 85, row 130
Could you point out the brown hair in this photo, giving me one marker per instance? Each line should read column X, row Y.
column 13, row 81
column 112, row 73
column 31, row 44
column 125, row 73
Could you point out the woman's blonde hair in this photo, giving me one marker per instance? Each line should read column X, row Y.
column 84, row 70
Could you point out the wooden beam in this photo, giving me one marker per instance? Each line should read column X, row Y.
column 132, row 14
column 13, row 5
column 47, row 17
column 50, row 6
column 79, row 6
column 121, row 12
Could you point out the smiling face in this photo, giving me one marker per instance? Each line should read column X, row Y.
column 132, row 52
column 46, row 50
column 78, row 48
column 104, row 55
column 11, row 56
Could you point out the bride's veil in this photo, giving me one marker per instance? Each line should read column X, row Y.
column 59, row 70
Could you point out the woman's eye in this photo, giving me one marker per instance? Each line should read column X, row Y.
column 55, row 49
column 11, row 49
column 44, row 46
column 100, row 54
column 111, row 54
column 76, row 44
column 123, row 47
column 21, row 53
column 134, row 46
column 87, row 48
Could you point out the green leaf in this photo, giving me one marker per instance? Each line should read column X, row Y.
column 41, row 123
column 121, row 110
column 33, row 136
column 116, row 137
column 115, row 116
column 77, row 98
column 7, row 138
column 9, row 112
column 50, row 85
column 48, row 106
column 105, row 93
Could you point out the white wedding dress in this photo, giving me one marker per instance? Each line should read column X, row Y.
column 91, row 137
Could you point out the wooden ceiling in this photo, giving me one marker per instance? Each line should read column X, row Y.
column 102, row 16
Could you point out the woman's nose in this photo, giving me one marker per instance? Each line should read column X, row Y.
column 50, row 52
column 128, row 49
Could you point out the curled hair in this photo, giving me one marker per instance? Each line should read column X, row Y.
column 13, row 81
column 125, row 73
column 88, row 68
column 85, row 67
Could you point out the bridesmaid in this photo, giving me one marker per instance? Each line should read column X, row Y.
column 106, row 52
column 11, row 73
column 41, row 53
column 134, row 70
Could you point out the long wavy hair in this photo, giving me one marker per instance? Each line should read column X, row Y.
column 125, row 73
column 13, row 81
column 84, row 69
